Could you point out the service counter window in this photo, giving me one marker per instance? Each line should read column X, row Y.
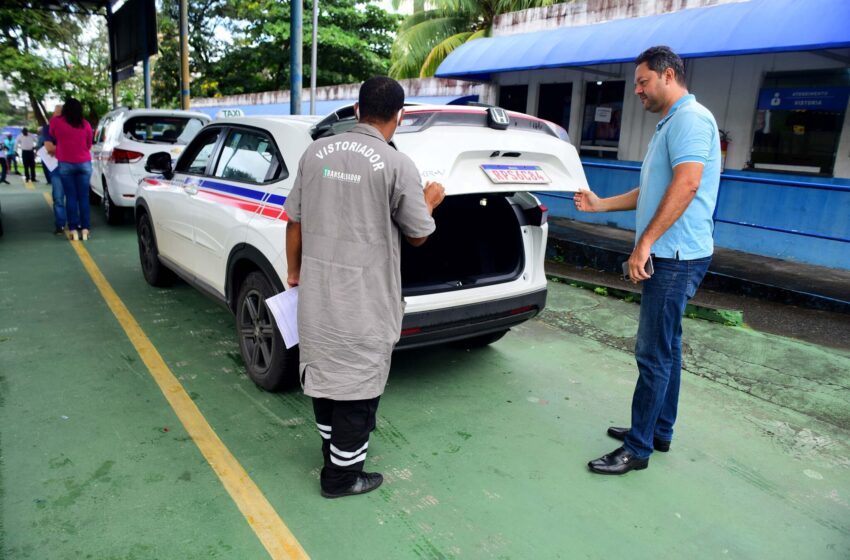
column 554, row 103
column 603, row 111
column 513, row 98
column 798, row 122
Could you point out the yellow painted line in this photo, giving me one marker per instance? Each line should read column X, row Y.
column 261, row 516
column 29, row 185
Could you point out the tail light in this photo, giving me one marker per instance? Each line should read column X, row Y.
column 537, row 216
column 519, row 310
column 125, row 156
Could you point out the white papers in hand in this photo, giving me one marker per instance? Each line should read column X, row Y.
column 284, row 308
column 47, row 160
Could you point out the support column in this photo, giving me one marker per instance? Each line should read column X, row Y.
column 314, row 57
column 296, row 43
column 184, row 54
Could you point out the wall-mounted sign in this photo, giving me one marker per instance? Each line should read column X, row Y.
column 809, row 98
column 603, row 114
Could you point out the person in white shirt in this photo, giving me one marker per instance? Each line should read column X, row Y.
column 26, row 143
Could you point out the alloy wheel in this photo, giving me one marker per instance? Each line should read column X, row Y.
column 257, row 331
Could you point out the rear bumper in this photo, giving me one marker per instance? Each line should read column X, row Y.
column 457, row 323
column 122, row 184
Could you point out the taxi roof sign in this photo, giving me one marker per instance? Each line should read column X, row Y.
column 228, row 113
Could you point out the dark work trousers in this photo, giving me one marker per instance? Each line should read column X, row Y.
column 345, row 427
column 28, row 159
column 3, row 168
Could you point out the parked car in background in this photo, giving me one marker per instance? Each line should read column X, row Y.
column 217, row 220
column 122, row 140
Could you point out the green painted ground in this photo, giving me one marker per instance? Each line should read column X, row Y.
column 484, row 451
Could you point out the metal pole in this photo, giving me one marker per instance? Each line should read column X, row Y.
column 184, row 54
column 314, row 57
column 296, row 42
column 146, row 66
column 147, row 72
column 112, row 75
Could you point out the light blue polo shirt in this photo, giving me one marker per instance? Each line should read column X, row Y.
column 687, row 134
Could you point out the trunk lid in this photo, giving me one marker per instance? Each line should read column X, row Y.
column 459, row 150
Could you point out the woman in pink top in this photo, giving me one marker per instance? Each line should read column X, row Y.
column 73, row 150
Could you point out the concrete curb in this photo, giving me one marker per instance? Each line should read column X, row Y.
column 728, row 317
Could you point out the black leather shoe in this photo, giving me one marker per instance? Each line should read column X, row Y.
column 618, row 461
column 620, row 434
column 366, row 482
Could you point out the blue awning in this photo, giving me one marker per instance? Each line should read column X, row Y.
column 757, row 26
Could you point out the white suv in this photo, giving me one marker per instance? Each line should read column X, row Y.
column 123, row 139
column 217, row 220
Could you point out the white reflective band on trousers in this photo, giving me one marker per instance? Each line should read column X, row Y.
column 324, row 431
column 338, row 457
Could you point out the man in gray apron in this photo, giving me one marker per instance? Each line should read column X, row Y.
column 353, row 198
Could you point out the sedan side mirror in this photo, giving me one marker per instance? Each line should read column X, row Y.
column 160, row 162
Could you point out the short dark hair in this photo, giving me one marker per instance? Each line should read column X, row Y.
column 380, row 98
column 660, row 58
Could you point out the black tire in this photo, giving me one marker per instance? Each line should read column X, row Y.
column 269, row 364
column 155, row 273
column 114, row 214
column 480, row 341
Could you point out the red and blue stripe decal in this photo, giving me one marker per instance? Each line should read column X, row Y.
column 248, row 200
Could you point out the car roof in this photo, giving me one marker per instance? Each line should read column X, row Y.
column 307, row 121
column 156, row 112
column 300, row 121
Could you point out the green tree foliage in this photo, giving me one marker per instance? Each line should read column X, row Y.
column 165, row 76
column 427, row 37
column 25, row 33
column 9, row 114
column 354, row 44
column 64, row 54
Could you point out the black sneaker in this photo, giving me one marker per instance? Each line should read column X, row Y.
column 366, row 482
column 59, row 231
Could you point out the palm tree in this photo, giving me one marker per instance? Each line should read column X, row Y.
column 426, row 37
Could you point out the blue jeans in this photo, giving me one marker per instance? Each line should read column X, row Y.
column 75, row 181
column 58, row 197
column 658, row 351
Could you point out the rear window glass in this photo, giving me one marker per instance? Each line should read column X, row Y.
column 415, row 121
column 162, row 130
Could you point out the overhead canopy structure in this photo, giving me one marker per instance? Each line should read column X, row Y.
column 91, row 7
column 757, row 26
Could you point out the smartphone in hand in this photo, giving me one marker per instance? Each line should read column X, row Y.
column 648, row 268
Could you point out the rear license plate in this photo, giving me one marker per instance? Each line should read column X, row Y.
column 527, row 174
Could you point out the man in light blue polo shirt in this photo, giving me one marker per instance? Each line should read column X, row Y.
column 675, row 202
